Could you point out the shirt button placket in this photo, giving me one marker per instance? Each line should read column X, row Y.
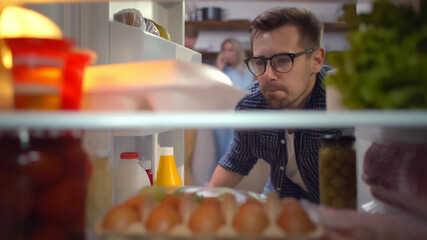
column 281, row 168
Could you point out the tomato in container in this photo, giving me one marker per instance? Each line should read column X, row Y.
column 43, row 179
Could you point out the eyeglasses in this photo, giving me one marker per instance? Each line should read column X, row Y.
column 282, row 62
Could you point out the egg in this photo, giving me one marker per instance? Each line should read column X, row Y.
column 143, row 204
column 293, row 218
column 250, row 218
column 206, row 218
column 187, row 204
column 162, row 219
column 120, row 217
column 212, row 200
column 172, row 200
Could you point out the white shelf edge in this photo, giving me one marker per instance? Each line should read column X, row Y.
column 212, row 119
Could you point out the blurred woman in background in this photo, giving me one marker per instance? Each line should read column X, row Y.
column 230, row 62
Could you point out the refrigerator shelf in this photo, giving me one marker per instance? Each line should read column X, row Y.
column 211, row 119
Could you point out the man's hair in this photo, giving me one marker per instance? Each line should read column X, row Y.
column 310, row 28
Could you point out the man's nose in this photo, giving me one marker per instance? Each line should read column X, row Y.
column 269, row 73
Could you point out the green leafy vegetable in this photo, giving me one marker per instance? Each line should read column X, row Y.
column 386, row 65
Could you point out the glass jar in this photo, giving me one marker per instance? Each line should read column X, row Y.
column 43, row 179
column 337, row 171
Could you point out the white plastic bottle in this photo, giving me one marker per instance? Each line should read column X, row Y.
column 129, row 177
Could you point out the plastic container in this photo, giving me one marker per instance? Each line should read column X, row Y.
column 100, row 187
column 215, row 213
column 146, row 164
column 43, row 181
column 129, row 177
column 167, row 173
column 391, row 164
column 47, row 74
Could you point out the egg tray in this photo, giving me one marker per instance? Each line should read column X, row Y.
column 231, row 199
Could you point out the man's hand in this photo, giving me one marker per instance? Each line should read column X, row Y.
column 224, row 178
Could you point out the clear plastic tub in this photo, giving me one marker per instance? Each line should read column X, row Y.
column 391, row 164
column 211, row 213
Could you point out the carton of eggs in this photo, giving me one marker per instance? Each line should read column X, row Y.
column 187, row 212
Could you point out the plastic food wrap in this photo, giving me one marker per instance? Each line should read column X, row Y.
column 394, row 168
column 133, row 17
column 151, row 27
column 188, row 212
column 346, row 224
column 396, row 175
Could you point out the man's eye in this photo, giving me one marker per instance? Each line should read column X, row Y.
column 258, row 62
column 282, row 60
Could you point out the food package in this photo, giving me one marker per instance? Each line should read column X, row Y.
column 161, row 85
column 188, row 212
column 151, row 27
column 131, row 17
column 348, row 224
column 394, row 169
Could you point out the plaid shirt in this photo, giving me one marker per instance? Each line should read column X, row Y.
column 248, row 146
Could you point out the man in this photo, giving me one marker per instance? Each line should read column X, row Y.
column 288, row 63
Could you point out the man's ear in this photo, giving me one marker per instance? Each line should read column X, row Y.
column 318, row 59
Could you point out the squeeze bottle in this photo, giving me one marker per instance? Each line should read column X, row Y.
column 167, row 174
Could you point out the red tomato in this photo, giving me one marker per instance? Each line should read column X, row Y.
column 48, row 231
column 43, row 167
column 76, row 161
column 16, row 196
column 63, row 202
column 88, row 169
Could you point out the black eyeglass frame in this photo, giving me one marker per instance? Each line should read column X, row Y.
column 264, row 59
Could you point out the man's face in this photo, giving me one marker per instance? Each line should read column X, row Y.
column 285, row 90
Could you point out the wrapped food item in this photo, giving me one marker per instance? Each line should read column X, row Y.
column 353, row 225
column 133, row 17
column 394, row 167
column 151, row 27
column 395, row 173
column 130, row 16
column 187, row 212
column 162, row 31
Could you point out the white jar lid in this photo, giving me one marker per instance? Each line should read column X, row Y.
column 166, row 151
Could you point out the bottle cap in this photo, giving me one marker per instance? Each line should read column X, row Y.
column 129, row 155
column 166, row 151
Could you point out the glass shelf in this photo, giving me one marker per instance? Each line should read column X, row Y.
column 212, row 119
